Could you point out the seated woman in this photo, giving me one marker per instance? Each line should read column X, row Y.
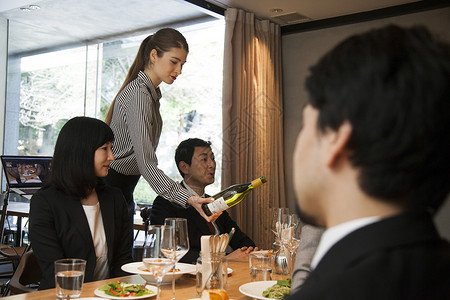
column 75, row 215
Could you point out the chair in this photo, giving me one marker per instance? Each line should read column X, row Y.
column 27, row 276
column 146, row 211
column 9, row 231
column 8, row 255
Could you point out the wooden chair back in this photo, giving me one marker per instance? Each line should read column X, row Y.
column 27, row 276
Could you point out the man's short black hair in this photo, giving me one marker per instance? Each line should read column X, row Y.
column 393, row 86
column 185, row 151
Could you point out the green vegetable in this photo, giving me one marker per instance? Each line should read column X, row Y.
column 286, row 282
column 279, row 290
column 123, row 289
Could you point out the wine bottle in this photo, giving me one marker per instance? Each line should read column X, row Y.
column 231, row 196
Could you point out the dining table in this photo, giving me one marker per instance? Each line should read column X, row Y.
column 185, row 286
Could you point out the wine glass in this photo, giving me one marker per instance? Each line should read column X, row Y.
column 290, row 237
column 159, row 254
column 277, row 215
column 280, row 260
column 181, row 235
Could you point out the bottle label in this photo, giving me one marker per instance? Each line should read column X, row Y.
column 217, row 206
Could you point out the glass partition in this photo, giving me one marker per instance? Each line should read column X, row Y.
column 45, row 90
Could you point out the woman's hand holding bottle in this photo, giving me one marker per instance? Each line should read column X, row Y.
column 197, row 202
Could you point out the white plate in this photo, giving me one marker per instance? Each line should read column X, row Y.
column 256, row 288
column 102, row 294
column 139, row 268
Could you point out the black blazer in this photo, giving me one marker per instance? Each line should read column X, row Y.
column 401, row 257
column 197, row 226
column 59, row 229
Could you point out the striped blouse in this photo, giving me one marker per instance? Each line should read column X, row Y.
column 137, row 124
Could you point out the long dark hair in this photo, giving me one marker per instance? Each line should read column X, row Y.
column 72, row 169
column 162, row 41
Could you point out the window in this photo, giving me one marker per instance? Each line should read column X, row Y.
column 46, row 90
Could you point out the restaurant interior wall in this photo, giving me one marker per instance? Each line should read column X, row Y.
column 301, row 50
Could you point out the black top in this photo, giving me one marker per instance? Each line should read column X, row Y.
column 59, row 229
column 401, row 257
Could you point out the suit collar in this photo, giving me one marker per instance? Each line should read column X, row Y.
column 78, row 218
column 332, row 235
column 80, row 222
column 403, row 229
column 191, row 190
column 107, row 211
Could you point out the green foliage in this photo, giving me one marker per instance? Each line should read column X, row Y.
column 143, row 193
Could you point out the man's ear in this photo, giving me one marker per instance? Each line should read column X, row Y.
column 337, row 142
column 184, row 167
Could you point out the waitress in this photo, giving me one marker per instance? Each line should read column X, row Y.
column 136, row 121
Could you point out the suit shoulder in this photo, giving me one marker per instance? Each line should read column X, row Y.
column 50, row 193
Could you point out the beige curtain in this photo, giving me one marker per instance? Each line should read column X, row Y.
column 253, row 120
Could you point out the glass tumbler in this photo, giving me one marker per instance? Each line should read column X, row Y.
column 69, row 277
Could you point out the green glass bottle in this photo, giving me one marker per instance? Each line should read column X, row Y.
column 231, row 196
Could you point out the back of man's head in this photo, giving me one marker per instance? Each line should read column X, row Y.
column 185, row 151
column 393, row 86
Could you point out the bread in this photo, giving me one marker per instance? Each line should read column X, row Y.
column 217, row 294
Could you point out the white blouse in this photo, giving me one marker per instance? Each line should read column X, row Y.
column 95, row 221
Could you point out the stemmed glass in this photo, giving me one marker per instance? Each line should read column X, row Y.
column 290, row 237
column 159, row 254
column 277, row 218
column 280, row 259
column 181, row 242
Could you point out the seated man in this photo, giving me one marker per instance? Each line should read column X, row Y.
column 195, row 161
column 371, row 165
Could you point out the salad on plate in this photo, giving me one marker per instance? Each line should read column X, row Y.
column 123, row 289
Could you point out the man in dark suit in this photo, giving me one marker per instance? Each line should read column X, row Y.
column 196, row 164
column 372, row 166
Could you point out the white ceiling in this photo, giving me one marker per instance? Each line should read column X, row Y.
column 61, row 23
column 69, row 22
column 312, row 9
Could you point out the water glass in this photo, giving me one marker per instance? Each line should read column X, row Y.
column 69, row 277
column 261, row 264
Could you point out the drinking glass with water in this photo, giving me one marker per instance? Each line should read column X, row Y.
column 69, row 277
column 261, row 263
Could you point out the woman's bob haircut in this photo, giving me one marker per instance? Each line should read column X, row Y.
column 72, row 169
